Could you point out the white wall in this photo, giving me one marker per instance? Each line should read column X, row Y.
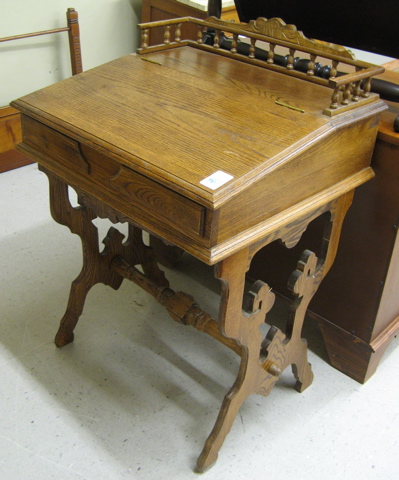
column 108, row 29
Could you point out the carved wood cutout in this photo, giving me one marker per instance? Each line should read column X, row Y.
column 263, row 361
column 254, row 376
column 96, row 265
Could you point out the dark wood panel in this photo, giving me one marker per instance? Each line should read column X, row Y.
column 154, row 10
column 10, row 135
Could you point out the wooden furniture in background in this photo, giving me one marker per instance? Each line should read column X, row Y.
column 10, row 136
column 364, row 318
column 207, row 151
column 154, row 10
column 10, row 124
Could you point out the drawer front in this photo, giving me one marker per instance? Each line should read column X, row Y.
column 50, row 142
column 182, row 214
column 101, row 175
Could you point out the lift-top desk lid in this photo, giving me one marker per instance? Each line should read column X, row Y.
column 181, row 113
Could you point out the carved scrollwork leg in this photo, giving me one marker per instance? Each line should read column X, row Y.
column 240, row 314
column 79, row 221
column 95, row 270
column 97, row 265
column 303, row 283
column 254, row 376
column 227, row 414
column 263, row 361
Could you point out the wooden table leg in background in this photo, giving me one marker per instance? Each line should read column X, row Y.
column 241, row 312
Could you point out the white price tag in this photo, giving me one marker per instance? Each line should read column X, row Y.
column 216, row 180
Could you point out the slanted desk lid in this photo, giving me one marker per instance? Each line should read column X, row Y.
column 181, row 122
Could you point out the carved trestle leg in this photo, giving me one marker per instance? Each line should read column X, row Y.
column 240, row 318
column 240, row 314
column 96, row 265
column 254, row 374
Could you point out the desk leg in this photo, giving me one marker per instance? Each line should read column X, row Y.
column 262, row 361
column 97, row 265
column 240, row 315
column 240, row 318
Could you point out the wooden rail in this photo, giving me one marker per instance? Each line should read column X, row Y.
column 349, row 88
column 74, row 39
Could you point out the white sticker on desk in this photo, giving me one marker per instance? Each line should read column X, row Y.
column 216, row 180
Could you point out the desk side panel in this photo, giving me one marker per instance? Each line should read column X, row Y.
column 342, row 154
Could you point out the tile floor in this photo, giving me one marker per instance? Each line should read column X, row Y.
column 136, row 395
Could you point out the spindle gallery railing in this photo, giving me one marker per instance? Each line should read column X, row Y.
column 349, row 88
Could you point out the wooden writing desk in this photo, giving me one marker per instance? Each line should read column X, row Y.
column 143, row 140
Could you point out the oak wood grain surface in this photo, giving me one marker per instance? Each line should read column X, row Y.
column 184, row 115
column 166, row 114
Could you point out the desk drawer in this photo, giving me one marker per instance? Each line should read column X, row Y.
column 50, row 142
column 101, row 175
column 182, row 214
